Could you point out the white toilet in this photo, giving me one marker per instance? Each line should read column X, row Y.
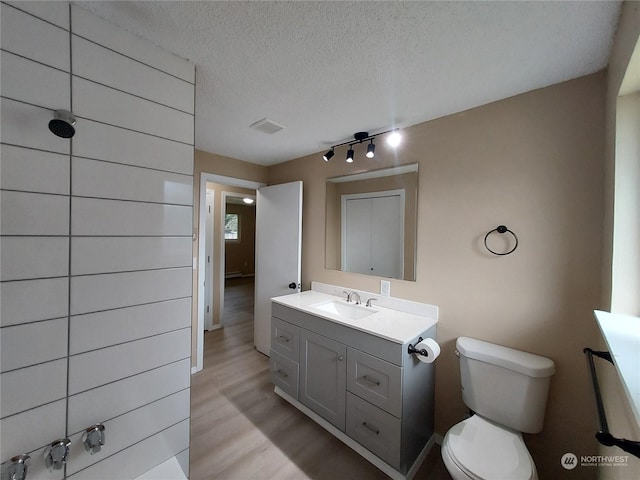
column 507, row 389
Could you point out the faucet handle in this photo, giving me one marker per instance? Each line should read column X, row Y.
column 16, row 468
column 56, row 454
column 348, row 295
column 369, row 302
column 93, row 438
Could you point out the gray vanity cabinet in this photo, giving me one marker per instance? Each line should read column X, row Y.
column 323, row 371
column 368, row 387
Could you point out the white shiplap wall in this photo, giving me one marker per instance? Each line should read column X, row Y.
column 96, row 238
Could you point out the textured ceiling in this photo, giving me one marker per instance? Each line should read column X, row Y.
column 328, row 69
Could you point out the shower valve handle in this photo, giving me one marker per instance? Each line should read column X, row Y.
column 93, row 438
column 56, row 454
column 16, row 468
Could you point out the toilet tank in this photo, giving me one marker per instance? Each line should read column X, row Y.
column 506, row 386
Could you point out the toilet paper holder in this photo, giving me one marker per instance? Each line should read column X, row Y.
column 412, row 349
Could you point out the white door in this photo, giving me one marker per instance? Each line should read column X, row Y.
column 387, row 228
column 278, row 252
column 357, row 231
column 208, row 282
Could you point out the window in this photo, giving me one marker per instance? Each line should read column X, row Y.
column 232, row 227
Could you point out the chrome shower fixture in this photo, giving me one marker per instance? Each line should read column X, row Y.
column 62, row 124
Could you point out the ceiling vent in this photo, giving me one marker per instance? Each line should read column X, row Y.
column 267, row 126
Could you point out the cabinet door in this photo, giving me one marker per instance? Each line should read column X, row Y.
column 323, row 371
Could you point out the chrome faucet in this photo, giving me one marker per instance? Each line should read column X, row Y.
column 369, row 302
column 353, row 294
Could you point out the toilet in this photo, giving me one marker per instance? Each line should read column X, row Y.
column 507, row 391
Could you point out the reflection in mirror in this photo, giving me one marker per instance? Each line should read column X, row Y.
column 371, row 222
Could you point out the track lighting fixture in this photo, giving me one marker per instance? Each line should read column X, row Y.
column 393, row 139
column 327, row 156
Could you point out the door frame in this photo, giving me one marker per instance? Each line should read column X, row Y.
column 206, row 177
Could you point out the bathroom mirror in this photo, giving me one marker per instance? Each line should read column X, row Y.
column 371, row 221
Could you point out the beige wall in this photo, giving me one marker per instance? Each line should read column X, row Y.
column 534, row 163
column 621, row 420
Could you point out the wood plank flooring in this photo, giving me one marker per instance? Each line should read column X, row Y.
column 241, row 430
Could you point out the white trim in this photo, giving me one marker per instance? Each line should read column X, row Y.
column 386, row 172
column 355, row 446
column 204, row 179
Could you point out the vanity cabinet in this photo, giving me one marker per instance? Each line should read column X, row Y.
column 368, row 387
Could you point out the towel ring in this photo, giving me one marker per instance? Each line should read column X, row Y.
column 501, row 229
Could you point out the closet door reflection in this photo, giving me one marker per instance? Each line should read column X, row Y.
column 373, row 233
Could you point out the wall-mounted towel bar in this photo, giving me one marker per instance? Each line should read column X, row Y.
column 603, row 435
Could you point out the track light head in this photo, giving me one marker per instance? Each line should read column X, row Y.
column 371, row 150
column 350, row 154
column 327, row 156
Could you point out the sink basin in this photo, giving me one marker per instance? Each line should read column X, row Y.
column 342, row 309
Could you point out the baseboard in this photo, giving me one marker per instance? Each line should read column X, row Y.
column 238, row 275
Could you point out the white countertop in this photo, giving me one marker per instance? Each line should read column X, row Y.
column 393, row 325
column 622, row 334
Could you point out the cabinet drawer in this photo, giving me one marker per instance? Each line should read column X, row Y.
column 284, row 373
column 285, row 339
column 374, row 429
column 375, row 380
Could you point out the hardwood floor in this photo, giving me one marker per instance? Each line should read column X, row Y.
column 241, row 430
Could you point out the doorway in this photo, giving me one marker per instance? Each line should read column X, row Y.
column 211, row 269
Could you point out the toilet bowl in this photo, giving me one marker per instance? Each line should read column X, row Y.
column 507, row 389
column 479, row 449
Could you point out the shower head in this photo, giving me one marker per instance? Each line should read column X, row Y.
column 62, row 124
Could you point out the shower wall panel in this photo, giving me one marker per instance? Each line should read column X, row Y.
column 96, row 238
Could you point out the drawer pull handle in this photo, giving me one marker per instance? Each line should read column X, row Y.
column 282, row 373
column 370, row 428
column 340, row 358
column 282, row 337
column 371, row 380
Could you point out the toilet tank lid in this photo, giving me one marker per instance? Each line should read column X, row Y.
column 522, row 362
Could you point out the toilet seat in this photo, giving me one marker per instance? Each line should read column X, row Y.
column 483, row 450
